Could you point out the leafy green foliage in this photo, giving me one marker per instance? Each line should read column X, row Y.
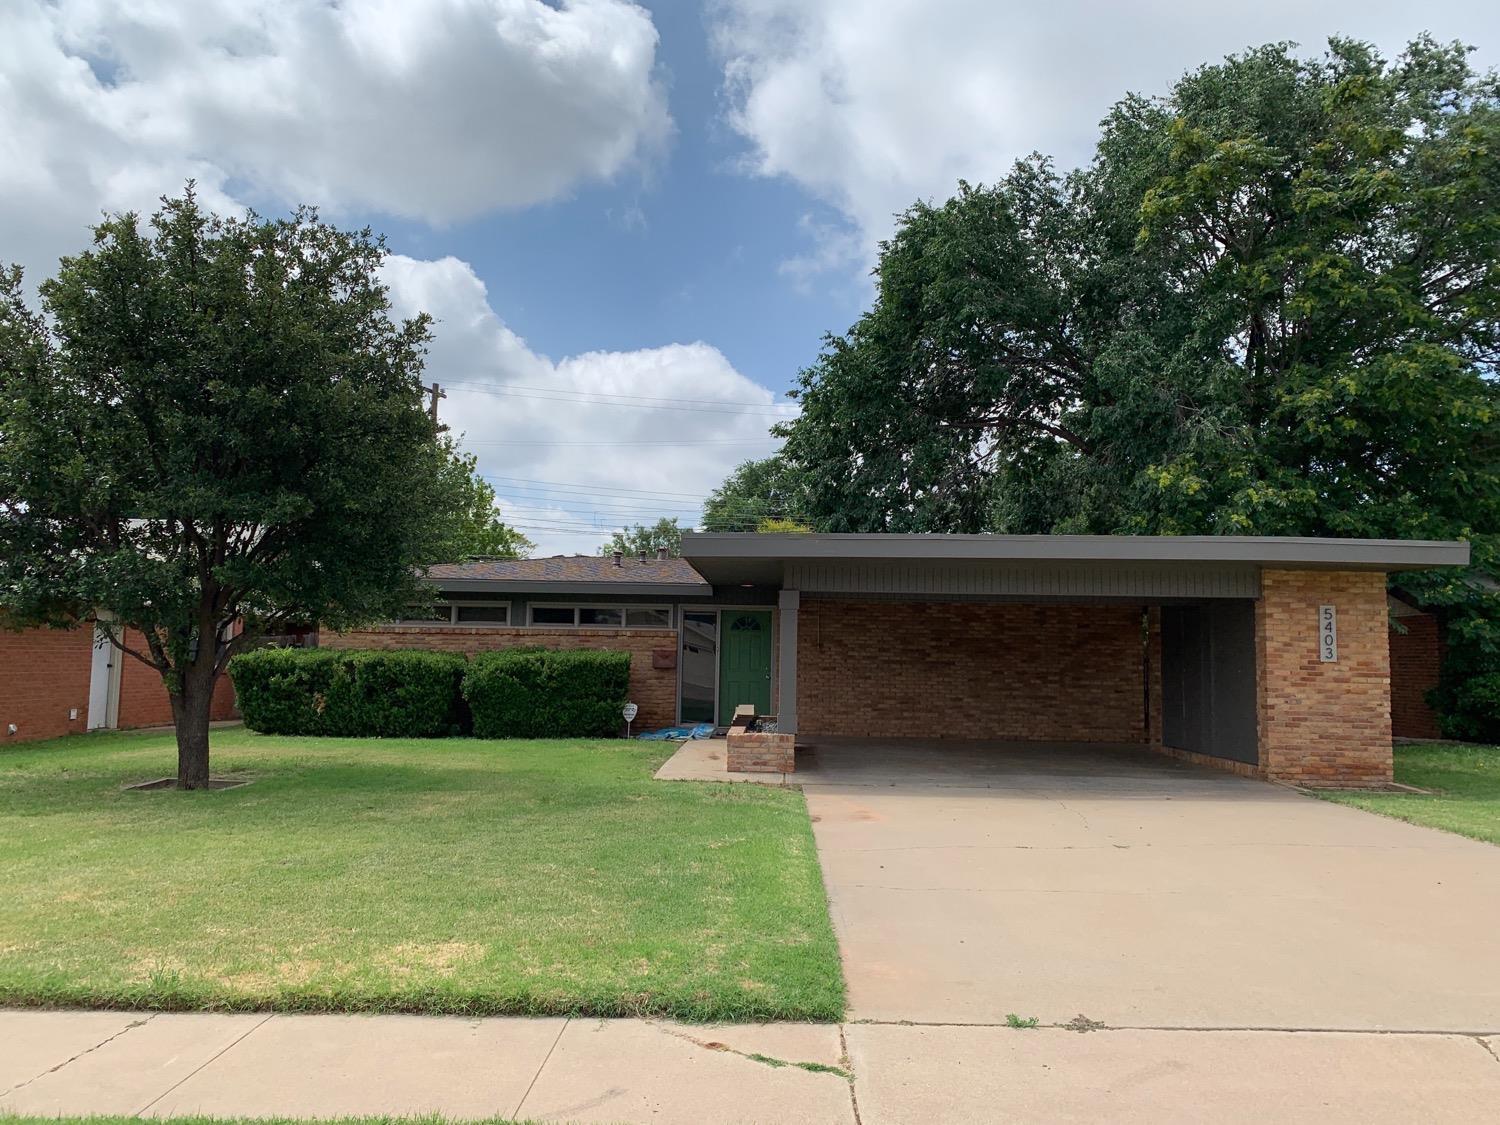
column 1472, row 710
column 643, row 539
column 214, row 423
column 758, row 492
column 1268, row 306
column 538, row 693
column 350, row 694
column 481, row 533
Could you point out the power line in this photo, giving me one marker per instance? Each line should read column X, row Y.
column 580, row 398
column 483, row 385
column 579, row 485
column 640, row 505
column 648, row 441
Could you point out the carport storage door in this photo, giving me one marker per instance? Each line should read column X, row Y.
column 1208, row 679
column 745, row 662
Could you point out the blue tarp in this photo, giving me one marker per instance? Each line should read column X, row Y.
column 670, row 734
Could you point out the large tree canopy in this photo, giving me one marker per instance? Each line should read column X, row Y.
column 481, row 532
column 214, row 425
column 646, row 539
column 757, row 495
column 1269, row 305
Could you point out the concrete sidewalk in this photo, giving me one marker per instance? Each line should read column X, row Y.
column 637, row 1070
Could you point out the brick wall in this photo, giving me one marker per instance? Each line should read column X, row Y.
column 950, row 670
column 654, row 691
column 1323, row 722
column 1416, row 661
column 143, row 696
column 43, row 674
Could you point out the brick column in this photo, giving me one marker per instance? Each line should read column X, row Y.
column 1323, row 722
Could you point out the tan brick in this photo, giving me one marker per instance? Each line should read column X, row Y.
column 971, row 670
column 1323, row 722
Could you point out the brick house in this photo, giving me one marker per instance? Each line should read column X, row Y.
column 62, row 681
column 1267, row 656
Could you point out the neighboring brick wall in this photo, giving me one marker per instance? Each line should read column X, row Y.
column 654, row 691
column 143, row 696
column 1323, row 723
column 1416, row 662
column 44, row 673
column 953, row 670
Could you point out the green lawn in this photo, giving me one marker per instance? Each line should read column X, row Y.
column 1466, row 784
column 442, row 876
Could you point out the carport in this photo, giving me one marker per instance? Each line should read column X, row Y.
column 1262, row 655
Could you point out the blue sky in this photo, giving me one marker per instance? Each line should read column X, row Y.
column 632, row 223
column 690, row 250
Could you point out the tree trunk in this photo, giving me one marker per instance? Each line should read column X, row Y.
column 190, row 712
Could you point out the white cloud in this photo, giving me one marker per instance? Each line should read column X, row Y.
column 436, row 111
column 537, row 424
column 871, row 106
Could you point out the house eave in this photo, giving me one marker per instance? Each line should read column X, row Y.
column 730, row 557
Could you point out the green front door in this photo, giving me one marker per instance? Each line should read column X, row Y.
column 744, row 661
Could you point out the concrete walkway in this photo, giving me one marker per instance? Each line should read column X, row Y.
column 55, row 1063
column 970, row 882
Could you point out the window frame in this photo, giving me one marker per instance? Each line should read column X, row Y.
column 452, row 620
column 429, row 622
column 505, row 605
column 577, row 609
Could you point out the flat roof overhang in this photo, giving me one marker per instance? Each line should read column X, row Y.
column 750, row 558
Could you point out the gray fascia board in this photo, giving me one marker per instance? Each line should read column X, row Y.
column 502, row 588
column 1373, row 554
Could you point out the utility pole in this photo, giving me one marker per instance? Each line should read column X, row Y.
column 437, row 392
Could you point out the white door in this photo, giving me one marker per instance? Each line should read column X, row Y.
column 104, row 683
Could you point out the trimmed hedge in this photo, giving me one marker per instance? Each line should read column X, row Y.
column 353, row 694
column 539, row 693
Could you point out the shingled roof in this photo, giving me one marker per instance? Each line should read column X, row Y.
column 567, row 570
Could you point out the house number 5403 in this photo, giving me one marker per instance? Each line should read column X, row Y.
column 1328, row 633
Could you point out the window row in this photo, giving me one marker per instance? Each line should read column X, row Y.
column 574, row 616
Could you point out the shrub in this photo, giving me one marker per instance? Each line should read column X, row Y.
column 1473, row 709
column 350, row 693
column 530, row 693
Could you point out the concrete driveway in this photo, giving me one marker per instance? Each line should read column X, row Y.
column 969, row 881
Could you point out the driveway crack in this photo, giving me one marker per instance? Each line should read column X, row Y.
column 756, row 1056
column 197, row 1069
column 131, row 1026
column 849, row 1068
